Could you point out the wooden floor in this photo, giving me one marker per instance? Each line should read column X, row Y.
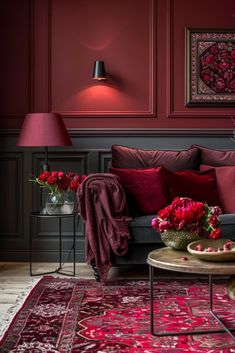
column 15, row 278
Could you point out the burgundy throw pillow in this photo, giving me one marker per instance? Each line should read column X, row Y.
column 216, row 158
column 225, row 178
column 136, row 158
column 199, row 186
column 144, row 189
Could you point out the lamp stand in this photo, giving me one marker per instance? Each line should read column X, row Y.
column 46, row 166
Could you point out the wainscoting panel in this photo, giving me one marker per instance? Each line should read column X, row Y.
column 11, row 201
column 90, row 153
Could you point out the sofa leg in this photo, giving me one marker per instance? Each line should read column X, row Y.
column 96, row 273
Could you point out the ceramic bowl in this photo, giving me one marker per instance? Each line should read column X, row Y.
column 228, row 255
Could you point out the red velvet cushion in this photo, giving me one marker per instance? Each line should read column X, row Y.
column 225, row 178
column 216, row 158
column 200, row 186
column 136, row 158
column 144, row 189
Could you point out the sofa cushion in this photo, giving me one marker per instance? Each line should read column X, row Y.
column 135, row 158
column 142, row 230
column 225, row 178
column 144, row 189
column 199, row 186
column 216, row 158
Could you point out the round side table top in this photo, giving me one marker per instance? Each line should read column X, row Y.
column 182, row 261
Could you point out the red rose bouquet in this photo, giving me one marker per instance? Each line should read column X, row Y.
column 57, row 181
column 184, row 214
column 60, row 199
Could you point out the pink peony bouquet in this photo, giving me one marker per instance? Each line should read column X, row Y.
column 184, row 214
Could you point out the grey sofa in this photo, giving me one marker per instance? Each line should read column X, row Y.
column 143, row 237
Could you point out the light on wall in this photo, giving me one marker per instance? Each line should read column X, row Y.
column 43, row 129
column 99, row 73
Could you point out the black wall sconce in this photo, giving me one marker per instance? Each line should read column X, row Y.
column 99, row 73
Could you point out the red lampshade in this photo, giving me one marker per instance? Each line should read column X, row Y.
column 43, row 129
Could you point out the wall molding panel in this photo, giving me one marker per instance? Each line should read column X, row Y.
column 11, row 216
column 171, row 111
column 114, row 89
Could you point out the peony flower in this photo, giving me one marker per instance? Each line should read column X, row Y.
column 163, row 226
column 184, row 214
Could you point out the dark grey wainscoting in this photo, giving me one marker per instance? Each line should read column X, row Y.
column 90, row 153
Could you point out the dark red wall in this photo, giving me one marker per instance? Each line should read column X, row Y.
column 49, row 47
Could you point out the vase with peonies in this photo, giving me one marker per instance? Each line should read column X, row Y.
column 185, row 220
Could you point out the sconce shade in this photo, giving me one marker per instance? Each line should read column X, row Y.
column 99, row 71
column 43, row 129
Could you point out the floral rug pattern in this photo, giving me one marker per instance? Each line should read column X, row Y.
column 71, row 315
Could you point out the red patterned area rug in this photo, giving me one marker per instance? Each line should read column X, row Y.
column 70, row 315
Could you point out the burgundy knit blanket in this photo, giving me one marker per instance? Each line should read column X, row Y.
column 102, row 204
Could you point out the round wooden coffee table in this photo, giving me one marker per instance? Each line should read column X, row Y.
column 182, row 261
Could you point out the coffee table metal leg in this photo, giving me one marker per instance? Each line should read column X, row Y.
column 182, row 333
column 212, row 312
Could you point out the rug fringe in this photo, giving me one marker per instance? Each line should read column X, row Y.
column 7, row 318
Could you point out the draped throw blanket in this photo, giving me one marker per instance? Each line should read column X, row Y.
column 102, row 204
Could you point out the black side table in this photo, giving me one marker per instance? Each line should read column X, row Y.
column 38, row 215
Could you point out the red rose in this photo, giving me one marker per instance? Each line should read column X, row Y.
column 61, row 174
column 74, row 184
column 43, row 176
column 51, row 180
column 63, row 183
column 54, row 174
column 71, row 175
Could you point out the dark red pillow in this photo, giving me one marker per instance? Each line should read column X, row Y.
column 136, row 158
column 216, row 158
column 144, row 189
column 199, row 186
column 225, row 178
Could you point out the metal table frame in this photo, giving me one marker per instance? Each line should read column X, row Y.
column 38, row 215
column 223, row 330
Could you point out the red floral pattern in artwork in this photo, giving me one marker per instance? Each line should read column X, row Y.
column 75, row 316
column 217, row 67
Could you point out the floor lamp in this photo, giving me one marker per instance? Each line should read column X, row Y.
column 43, row 130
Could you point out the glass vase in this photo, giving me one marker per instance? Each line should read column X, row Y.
column 60, row 202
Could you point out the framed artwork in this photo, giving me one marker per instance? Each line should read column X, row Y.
column 210, row 67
